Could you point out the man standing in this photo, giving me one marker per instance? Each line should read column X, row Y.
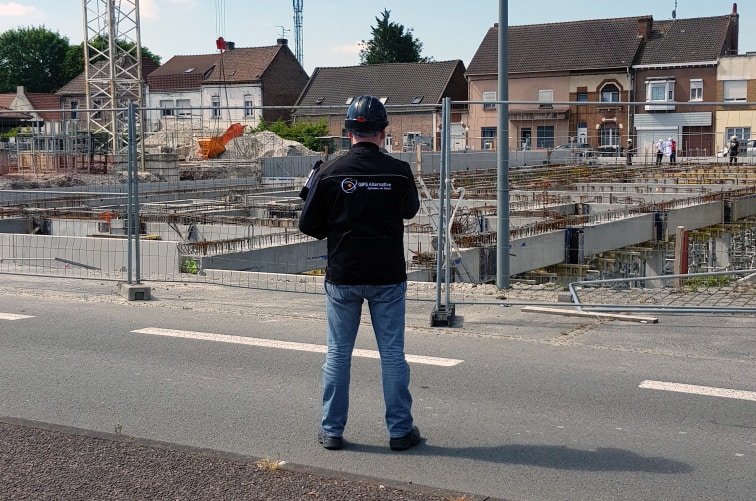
column 659, row 151
column 359, row 202
column 672, row 151
column 732, row 150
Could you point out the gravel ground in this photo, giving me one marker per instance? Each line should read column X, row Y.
column 41, row 462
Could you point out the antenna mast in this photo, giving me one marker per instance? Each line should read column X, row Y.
column 298, row 30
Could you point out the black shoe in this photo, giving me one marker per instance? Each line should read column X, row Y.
column 329, row 442
column 403, row 443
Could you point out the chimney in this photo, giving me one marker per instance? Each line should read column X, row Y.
column 282, row 41
column 644, row 27
column 734, row 29
column 20, row 90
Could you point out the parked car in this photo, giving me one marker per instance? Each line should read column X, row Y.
column 747, row 148
column 610, row 150
column 580, row 149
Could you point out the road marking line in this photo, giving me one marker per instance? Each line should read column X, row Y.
column 11, row 316
column 287, row 345
column 699, row 390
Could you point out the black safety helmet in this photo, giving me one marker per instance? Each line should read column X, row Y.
column 366, row 114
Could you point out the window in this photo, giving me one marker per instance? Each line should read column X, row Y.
column 349, row 100
column 249, row 106
column 215, row 103
column 166, row 107
column 546, row 96
column 74, row 108
column 183, row 108
column 741, row 133
column 696, row 90
column 610, row 94
column 659, row 93
column 97, row 105
column 582, row 97
column 488, row 138
column 609, row 135
column 545, row 136
column 735, row 90
column 417, row 100
column 383, row 99
column 489, row 96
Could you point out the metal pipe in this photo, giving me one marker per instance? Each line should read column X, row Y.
column 502, row 154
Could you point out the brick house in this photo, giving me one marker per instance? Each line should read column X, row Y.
column 227, row 87
column 676, row 70
column 551, row 66
column 412, row 92
column 736, row 84
column 36, row 110
column 73, row 95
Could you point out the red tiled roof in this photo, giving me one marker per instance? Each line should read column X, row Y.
column 47, row 104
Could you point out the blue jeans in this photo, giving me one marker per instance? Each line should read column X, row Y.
column 343, row 310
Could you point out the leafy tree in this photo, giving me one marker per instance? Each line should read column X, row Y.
column 74, row 60
column 391, row 44
column 32, row 57
column 306, row 133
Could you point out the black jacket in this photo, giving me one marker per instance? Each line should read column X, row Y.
column 359, row 202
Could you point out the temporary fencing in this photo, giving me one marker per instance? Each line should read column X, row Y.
column 217, row 202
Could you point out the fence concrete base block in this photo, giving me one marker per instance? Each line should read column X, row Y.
column 443, row 316
column 134, row 292
column 564, row 297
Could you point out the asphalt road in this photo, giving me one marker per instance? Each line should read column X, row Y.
column 513, row 405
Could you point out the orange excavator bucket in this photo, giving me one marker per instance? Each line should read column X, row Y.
column 213, row 147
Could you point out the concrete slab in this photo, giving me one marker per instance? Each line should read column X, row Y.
column 134, row 292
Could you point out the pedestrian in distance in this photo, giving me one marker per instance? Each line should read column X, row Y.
column 359, row 202
column 732, row 150
column 659, row 151
column 629, row 152
column 672, row 151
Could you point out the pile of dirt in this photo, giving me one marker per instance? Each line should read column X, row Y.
column 265, row 144
column 181, row 137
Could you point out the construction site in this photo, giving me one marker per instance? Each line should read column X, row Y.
column 219, row 196
column 64, row 209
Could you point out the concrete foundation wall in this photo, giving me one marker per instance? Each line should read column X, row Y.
column 294, row 258
column 536, row 252
column 743, row 207
column 103, row 254
column 698, row 216
column 617, row 234
column 16, row 225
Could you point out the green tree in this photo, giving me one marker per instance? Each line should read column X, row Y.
column 391, row 43
column 32, row 57
column 74, row 60
column 306, row 133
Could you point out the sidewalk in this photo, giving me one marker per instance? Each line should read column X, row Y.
column 40, row 461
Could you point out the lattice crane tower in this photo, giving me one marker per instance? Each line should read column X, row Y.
column 298, row 30
column 113, row 70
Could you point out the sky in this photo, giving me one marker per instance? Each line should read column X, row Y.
column 332, row 30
